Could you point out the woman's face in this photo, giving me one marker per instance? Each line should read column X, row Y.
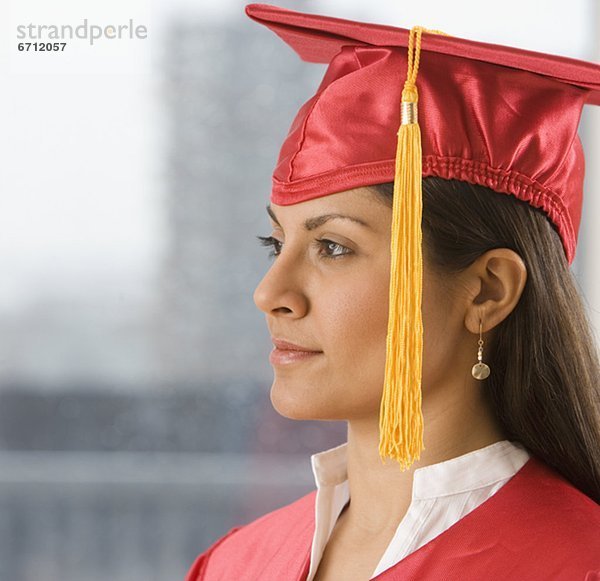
column 327, row 290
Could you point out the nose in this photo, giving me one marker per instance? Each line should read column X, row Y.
column 281, row 292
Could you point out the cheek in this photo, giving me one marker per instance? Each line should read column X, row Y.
column 438, row 337
column 355, row 330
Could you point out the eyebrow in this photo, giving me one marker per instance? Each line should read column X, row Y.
column 315, row 222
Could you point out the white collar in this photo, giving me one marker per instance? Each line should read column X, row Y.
column 470, row 471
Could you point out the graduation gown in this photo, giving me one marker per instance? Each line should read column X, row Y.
column 537, row 527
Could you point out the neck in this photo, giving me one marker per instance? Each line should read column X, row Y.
column 381, row 493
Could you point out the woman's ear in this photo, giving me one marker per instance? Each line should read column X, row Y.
column 496, row 281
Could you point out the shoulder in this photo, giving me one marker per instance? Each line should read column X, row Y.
column 552, row 490
column 558, row 512
column 247, row 546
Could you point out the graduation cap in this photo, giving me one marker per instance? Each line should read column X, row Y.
column 492, row 115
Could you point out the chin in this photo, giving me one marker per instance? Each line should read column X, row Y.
column 298, row 404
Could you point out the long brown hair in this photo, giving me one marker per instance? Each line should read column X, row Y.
column 545, row 384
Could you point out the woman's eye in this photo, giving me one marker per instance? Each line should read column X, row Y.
column 332, row 249
column 272, row 242
column 327, row 248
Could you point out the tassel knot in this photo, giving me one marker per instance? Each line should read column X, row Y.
column 410, row 93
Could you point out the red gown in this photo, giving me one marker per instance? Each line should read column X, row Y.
column 537, row 527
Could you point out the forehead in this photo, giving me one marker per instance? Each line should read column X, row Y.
column 362, row 203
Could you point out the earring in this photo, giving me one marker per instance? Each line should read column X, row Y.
column 480, row 370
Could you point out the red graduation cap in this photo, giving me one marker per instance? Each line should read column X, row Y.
column 493, row 115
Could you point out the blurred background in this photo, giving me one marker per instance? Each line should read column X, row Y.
column 135, row 420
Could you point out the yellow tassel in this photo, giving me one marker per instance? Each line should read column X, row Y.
column 401, row 416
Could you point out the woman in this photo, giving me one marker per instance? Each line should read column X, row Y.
column 471, row 304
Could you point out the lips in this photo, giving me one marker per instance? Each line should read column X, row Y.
column 286, row 353
column 287, row 346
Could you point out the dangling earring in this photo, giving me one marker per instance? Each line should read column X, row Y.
column 480, row 370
